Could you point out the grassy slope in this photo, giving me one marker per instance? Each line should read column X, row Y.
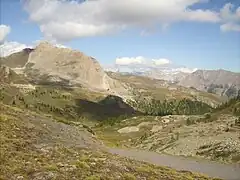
column 22, row 157
column 73, row 104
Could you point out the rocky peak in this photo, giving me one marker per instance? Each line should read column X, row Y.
column 44, row 45
column 71, row 65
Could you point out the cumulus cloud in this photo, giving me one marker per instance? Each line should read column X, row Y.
column 130, row 60
column 230, row 27
column 141, row 61
column 4, row 31
column 7, row 48
column 162, row 61
column 68, row 19
column 230, row 18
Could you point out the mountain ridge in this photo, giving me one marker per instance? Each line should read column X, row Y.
column 221, row 82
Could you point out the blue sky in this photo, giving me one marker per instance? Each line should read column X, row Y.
column 195, row 40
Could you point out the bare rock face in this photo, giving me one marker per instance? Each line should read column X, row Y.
column 68, row 64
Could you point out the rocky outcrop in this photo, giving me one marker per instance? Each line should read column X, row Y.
column 7, row 75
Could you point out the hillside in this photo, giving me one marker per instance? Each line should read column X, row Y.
column 213, row 136
column 35, row 147
column 76, row 105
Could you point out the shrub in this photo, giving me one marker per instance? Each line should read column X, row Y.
column 207, row 116
column 189, row 122
column 129, row 176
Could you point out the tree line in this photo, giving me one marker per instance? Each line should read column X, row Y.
column 155, row 107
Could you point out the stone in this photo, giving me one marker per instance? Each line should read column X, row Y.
column 156, row 128
column 143, row 124
column 166, row 121
column 128, row 129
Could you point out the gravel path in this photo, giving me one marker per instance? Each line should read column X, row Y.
column 212, row 169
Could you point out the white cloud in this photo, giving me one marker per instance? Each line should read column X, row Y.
column 162, row 61
column 8, row 48
column 130, row 60
column 230, row 18
column 141, row 61
column 230, row 27
column 65, row 20
column 4, row 31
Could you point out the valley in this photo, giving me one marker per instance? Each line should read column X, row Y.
column 119, row 90
column 60, row 125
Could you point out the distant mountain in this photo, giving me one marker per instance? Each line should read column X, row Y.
column 221, row 82
column 169, row 73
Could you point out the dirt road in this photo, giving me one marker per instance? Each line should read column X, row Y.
column 223, row 171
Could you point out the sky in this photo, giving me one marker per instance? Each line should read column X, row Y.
column 202, row 34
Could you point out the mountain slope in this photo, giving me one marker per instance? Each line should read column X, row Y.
column 221, row 82
column 68, row 64
column 50, row 64
column 37, row 147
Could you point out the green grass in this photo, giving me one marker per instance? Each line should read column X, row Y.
column 73, row 104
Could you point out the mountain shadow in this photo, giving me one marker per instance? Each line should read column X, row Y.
column 18, row 59
column 109, row 107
